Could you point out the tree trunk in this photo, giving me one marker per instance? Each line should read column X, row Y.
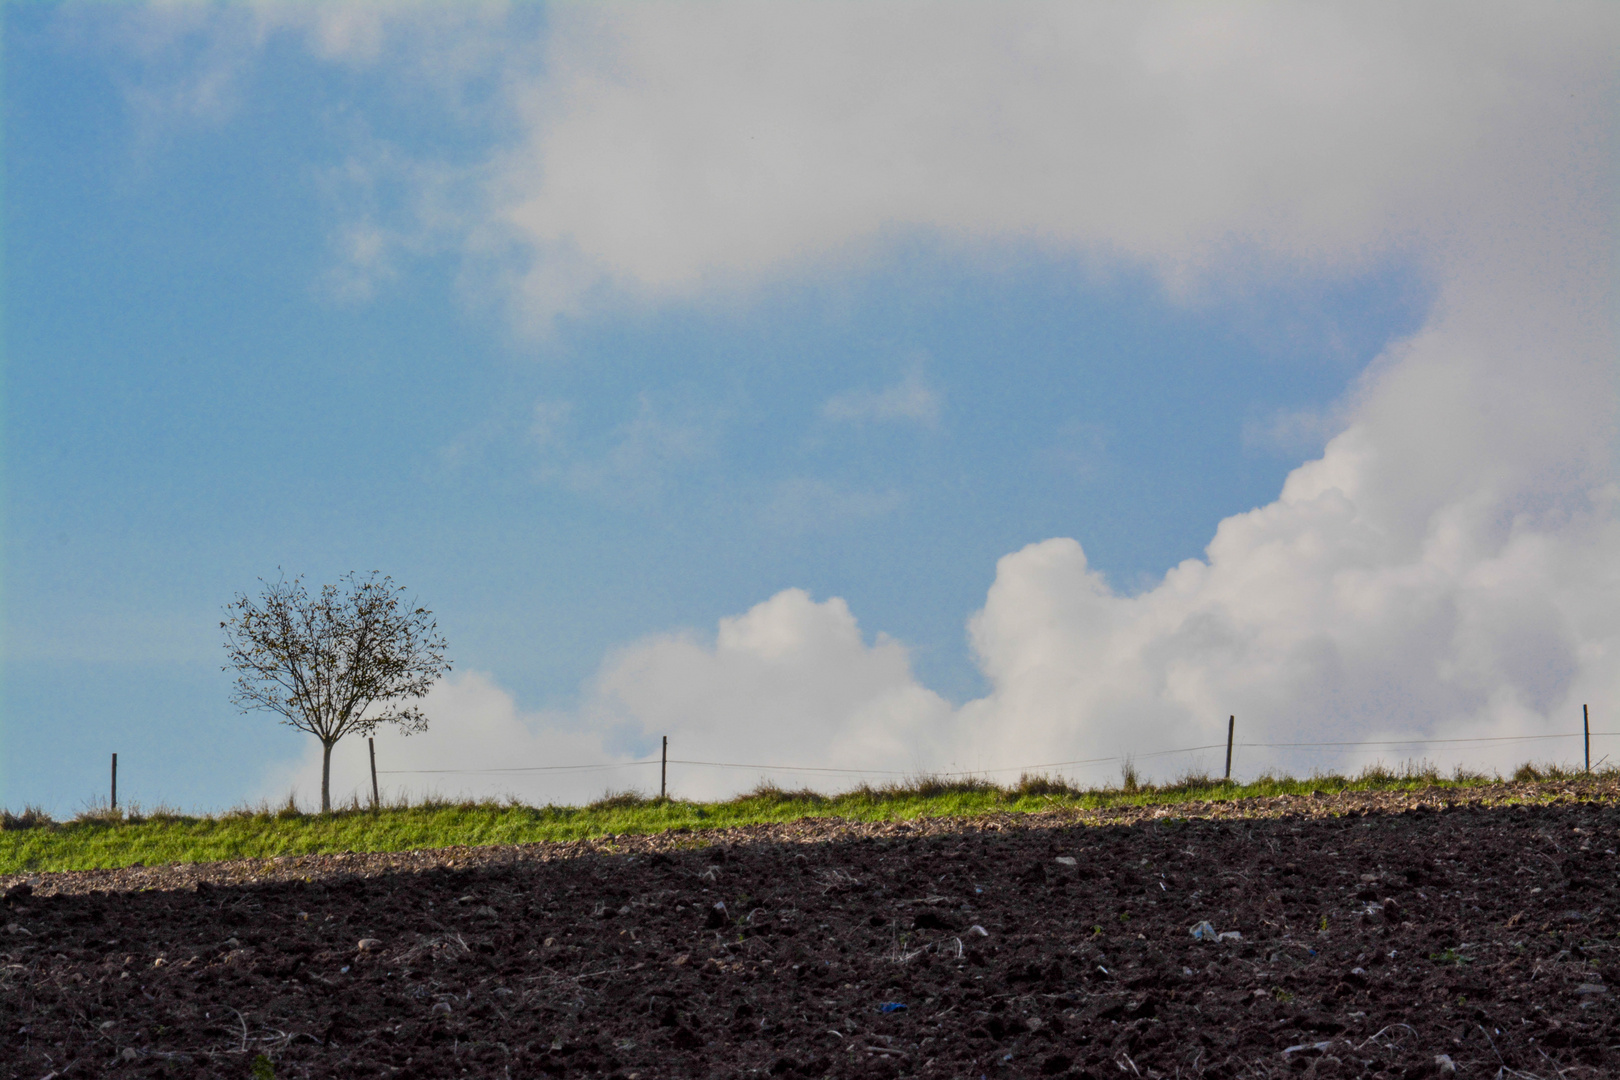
column 326, row 777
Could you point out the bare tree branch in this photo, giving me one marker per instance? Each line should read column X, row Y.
column 342, row 661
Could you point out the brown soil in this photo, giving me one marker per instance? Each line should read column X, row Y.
column 1381, row 936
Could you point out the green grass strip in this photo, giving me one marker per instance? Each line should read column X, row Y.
column 31, row 842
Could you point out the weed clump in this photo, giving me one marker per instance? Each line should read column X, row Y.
column 1194, row 782
column 97, row 812
column 769, row 793
column 1532, row 773
column 31, row 817
column 1129, row 781
column 1420, row 772
column 931, row 786
column 922, row 787
column 1377, row 775
column 620, row 800
column 1036, row 785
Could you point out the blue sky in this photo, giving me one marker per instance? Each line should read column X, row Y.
column 203, row 384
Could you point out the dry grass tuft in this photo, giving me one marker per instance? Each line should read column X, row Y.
column 1039, row 784
column 1130, row 782
column 620, row 800
column 31, row 817
column 924, row 786
column 1194, row 782
column 1531, row 772
column 769, row 791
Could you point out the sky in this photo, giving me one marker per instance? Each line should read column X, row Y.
column 907, row 387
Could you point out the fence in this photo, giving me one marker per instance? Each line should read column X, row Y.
column 664, row 761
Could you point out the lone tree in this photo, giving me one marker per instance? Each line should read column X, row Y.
column 344, row 660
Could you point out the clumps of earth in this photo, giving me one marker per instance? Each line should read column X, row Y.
column 1404, row 941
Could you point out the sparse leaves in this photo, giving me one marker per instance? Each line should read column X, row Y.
column 343, row 660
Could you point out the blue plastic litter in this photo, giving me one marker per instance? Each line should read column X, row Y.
column 891, row 1007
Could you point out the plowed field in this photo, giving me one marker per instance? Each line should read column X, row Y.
column 1378, row 938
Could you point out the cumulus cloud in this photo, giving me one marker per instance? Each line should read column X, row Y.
column 1447, row 567
column 791, row 682
column 672, row 148
column 478, row 744
column 1445, row 570
column 666, row 149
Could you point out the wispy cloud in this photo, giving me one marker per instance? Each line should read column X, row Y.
column 805, row 504
column 635, row 460
column 1296, row 433
column 911, row 399
column 630, row 461
column 390, row 209
column 1079, row 451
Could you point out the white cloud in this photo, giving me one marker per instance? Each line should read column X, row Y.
column 668, row 148
column 475, row 727
column 790, row 682
column 1448, row 566
column 671, row 148
column 1446, row 569
column 758, row 692
column 910, row 399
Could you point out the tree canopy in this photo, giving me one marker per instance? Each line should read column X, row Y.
column 342, row 660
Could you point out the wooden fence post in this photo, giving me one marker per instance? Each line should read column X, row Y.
column 114, row 800
column 1586, row 729
column 376, row 803
column 663, row 772
column 1231, row 728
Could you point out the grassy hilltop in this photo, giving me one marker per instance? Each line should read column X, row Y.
column 31, row 841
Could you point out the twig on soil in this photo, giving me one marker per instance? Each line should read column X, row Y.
column 607, row 971
column 1550, row 1061
column 1373, row 1038
column 837, row 879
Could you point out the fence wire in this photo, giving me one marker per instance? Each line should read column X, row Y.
column 904, row 773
